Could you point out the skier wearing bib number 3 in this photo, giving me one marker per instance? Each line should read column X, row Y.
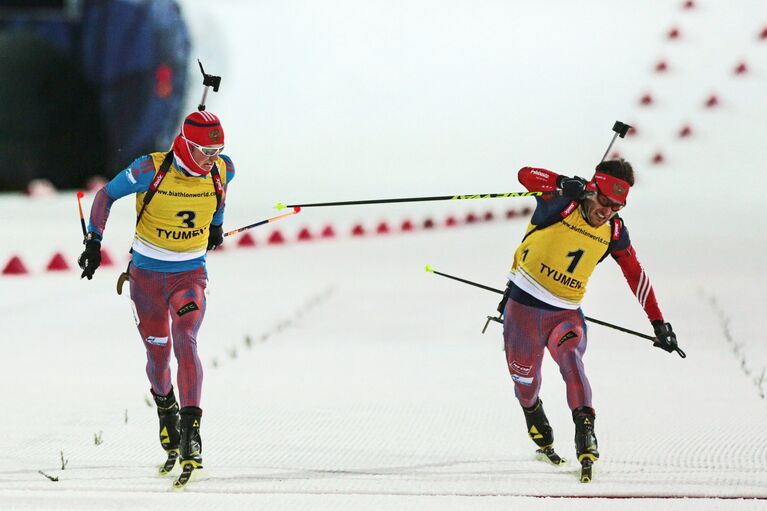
column 569, row 234
column 180, row 211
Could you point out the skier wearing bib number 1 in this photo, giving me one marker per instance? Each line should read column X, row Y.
column 571, row 231
column 180, row 211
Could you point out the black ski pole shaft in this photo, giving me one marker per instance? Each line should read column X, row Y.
column 415, row 199
column 453, row 277
column 587, row 318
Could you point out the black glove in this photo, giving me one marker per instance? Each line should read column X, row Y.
column 90, row 259
column 215, row 236
column 665, row 336
column 573, row 187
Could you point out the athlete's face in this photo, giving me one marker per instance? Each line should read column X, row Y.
column 599, row 209
column 201, row 159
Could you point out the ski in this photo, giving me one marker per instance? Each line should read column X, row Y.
column 169, row 463
column 549, row 455
column 183, row 478
column 187, row 468
column 586, row 464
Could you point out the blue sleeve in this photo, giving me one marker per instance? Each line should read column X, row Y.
column 134, row 179
column 547, row 210
column 218, row 217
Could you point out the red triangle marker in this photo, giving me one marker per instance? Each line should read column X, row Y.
column 276, row 238
column 646, row 100
column 328, row 232
column 246, row 240
column 106, row 259
column 304, row 234
column 57, row 263
column 15, row 267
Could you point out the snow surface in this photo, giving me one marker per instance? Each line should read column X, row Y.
column 340, row 375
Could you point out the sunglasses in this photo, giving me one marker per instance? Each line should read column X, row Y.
column 205, row 150
column 607, row 203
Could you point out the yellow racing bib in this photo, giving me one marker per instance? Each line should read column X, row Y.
column 554, row 263
column 177, row 219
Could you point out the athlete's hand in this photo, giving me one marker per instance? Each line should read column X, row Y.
column 90, row 259
column 573, row 187
column 215, row 236
column 665, row 338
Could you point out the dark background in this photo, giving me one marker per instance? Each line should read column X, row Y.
column 87, row 87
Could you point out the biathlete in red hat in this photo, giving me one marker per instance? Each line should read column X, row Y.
column 180, row 198
column 570, row 232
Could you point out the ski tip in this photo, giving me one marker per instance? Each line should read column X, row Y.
column 297, row 209
column 80, row 195
column 429, row 268
column 279, row 206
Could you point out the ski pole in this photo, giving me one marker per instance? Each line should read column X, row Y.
column 592, row 320
column 280, row 205
column 295, row 211
column 208, row 81
column 620, row 129
column 80, row 195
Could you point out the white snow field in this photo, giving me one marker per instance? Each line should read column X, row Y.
column 339, row 374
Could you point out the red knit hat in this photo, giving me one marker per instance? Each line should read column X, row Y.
column 201, row 128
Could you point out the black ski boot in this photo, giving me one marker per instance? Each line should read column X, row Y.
column 540, row 432
column 170, row 436
column 191, row 444
column 585, row 441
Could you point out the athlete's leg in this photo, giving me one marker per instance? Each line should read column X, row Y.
column 147, row 293
column 567, row 343
column 187, row 310
column 524, row 345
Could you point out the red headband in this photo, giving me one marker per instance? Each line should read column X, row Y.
column 611, row 187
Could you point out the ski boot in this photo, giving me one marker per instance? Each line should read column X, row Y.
column 191, row 444
column 585, row 441
column 170, row 436
column 540, row 432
